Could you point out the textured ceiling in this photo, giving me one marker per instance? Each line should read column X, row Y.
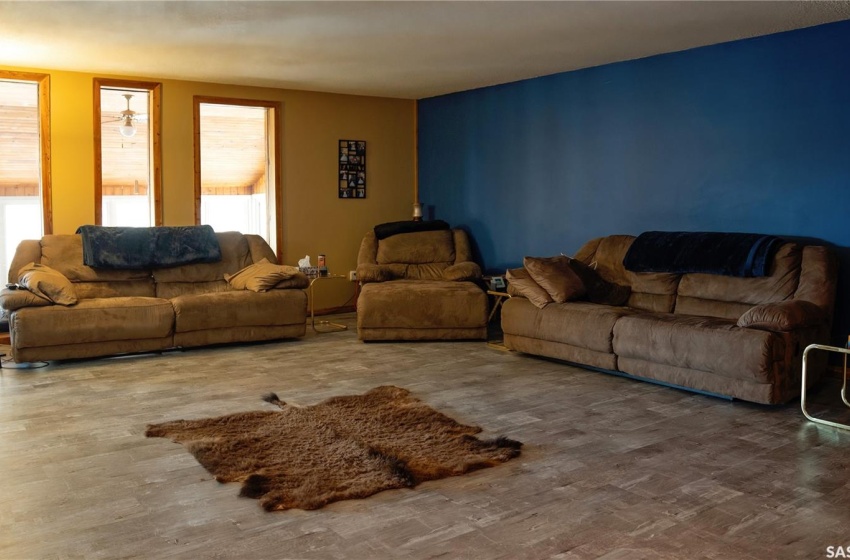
column 395, row 49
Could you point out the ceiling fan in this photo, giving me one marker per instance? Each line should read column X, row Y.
column 128, row 119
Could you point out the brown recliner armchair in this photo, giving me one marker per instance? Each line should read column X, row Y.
column 419, row 285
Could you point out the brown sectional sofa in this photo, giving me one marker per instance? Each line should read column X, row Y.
column 125, row 311
column 729, row 336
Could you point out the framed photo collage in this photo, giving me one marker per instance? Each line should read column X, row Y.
column 352, row 169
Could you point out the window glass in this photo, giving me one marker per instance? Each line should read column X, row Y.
column 237, row 176
column 21, row 208
column 125, row 158
column 127, row 153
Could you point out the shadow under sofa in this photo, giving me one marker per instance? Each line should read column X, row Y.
column 728, row 336
column 130, row 311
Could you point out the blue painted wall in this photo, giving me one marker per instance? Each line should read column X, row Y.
column 749, row 136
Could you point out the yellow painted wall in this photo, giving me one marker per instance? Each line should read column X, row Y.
column 315, row 220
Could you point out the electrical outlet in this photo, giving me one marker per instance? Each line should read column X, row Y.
column 352, row 275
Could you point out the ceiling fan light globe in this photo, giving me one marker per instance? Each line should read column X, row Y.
column 127, row 129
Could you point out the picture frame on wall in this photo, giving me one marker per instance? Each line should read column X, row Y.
column 352, row 169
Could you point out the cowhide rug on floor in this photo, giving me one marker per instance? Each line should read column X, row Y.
column 342, row 448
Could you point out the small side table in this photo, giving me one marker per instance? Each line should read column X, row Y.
column 808, row 349
column 498, row 299
column 330, row 327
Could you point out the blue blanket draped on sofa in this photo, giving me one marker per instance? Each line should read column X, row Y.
column 730, row 254
column 155, row 247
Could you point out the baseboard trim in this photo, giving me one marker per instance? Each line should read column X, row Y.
column 333, row 310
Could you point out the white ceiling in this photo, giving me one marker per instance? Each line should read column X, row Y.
column 396, row 49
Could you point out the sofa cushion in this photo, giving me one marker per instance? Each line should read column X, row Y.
column 651, row 291
column 577, row 323
column 47, row 283
column 238, row 308
column 64, row 253
column 466, row 270
column 706, row 344
column 93, row 320
column 598, row 289
column 171, row 290
column 235, row 255
column 417, row 248
column 422, row 304
column 697, row 292
column 261, row 276
column 555, row 275
column 423, row 271
column 520, row 283
column 125, row 288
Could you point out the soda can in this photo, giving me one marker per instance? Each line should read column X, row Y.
column 321, row 262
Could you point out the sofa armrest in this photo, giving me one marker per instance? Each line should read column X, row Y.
column 462, row 271
column 374, row 273
column 298, row 281
column 783, row 316
column 12, row 300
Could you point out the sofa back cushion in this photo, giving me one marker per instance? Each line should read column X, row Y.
column 205, row 277
column 422, row 255
column 423, row 247
column 651, row 291
column 235, row 255
column 729, row 297
column 64, row 253
column 714, row 295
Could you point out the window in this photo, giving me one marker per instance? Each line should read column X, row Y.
column 237, row 179
column 25, row 200
column 128, row 189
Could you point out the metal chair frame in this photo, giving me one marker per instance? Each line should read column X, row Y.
column 844, row 351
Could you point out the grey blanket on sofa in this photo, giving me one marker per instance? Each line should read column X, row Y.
column 730, row 254
column 156, row 247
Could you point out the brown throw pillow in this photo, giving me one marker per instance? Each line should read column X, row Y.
column 45, row 282
column 520, row 283
column 600, row 290
column 261, row 276
column 555, row 275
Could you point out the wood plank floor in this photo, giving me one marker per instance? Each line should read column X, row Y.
column 612, row 468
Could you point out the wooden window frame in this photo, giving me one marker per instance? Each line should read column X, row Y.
column 155, row 120
column 46, row 186
column 277, row 110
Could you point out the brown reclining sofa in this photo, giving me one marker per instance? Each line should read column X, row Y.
column 145, row 310
column 739, row 337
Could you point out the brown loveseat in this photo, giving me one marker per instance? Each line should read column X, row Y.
column 419, row 286
column 730, row 336
column 126, row 311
